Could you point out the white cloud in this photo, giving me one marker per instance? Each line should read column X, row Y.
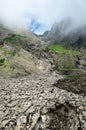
column 20, row 13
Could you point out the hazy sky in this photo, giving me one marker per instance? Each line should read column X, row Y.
column 39, row 15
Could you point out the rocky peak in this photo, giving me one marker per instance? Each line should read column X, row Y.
column 61, row 27
column 65, row 32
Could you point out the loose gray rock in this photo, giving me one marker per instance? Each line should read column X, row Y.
column 35, row 103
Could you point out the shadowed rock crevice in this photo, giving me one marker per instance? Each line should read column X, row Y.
column 62, row 117
column 76, row 84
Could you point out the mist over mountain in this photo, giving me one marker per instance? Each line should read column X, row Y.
column 43, row 65
column 64, row 32
column 39, row 16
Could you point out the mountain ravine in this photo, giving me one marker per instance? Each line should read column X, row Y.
column 42, row 84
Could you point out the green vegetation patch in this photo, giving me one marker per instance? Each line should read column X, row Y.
column 14, row 38
column 6, row 52
column 7, row 70
column 2, row 61
column 61, row 50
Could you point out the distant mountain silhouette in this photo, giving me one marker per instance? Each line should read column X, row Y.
column 64, row 32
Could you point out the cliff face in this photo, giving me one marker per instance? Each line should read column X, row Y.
column 64, row 32
column 64, row 35
column 37, row 103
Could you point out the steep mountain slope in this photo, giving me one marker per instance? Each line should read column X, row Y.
column 69, row 45
column 39, row 101
column 76, row 38
column 5, row 32
column 18, row 53
column 65, row 33
column 22, row 53
column 58, row 30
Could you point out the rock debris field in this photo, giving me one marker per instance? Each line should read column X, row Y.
column 36, row 103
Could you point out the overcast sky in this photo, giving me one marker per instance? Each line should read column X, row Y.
column 39, row 15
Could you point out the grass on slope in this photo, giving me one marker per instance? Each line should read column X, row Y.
column 5, row 52
column 14, row 37
column 61, row 50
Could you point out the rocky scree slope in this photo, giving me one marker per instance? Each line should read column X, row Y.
column 36, row 103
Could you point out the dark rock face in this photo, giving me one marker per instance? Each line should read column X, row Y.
column 64, row 32
column 62, row 117
column 1, row 42
column 76, row 85
column 58, row 30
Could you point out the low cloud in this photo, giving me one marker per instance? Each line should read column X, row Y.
column 39, row 15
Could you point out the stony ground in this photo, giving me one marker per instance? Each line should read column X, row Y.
column 75, row 84
column 35, row 103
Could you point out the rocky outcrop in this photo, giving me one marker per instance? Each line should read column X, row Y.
column 36, row 103
column 66, row 33
column 58, row 30
column 74, row 84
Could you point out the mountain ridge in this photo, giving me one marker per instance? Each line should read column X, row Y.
column 64, row 32
column 19, row 54
column 23, row 53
